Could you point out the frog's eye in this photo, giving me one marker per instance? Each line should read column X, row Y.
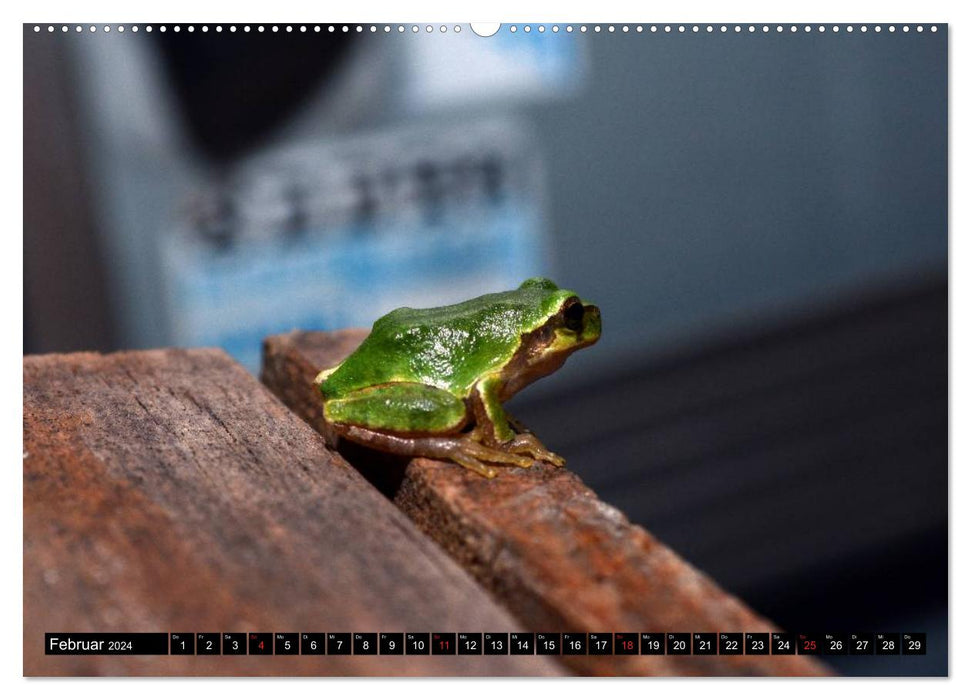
column 573, row 316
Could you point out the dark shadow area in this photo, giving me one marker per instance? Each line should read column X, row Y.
column 802, row 464
column 234, row 91
column 384, row 471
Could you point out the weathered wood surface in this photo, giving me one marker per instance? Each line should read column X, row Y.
column 168, row 491
column 559, row 558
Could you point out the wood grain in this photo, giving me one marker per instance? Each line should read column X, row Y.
column 168, row 491
column 554, row 554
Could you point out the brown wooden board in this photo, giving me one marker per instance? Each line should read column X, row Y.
column 168, row 491
column 559, row 558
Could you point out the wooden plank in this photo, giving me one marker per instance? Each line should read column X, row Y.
column 559, row 558
column 168, row 491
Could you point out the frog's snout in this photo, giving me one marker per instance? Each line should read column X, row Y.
column 591, row 324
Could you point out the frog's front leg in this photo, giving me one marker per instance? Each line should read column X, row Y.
column 525, row 441
column 499, row 429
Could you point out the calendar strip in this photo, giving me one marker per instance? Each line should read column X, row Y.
column 486, row 643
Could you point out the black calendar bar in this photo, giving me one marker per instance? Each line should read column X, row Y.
column 491, row 643
column 495, row 643
column 835, row 644
column 313, row 643
column 182, row 643
column 114, row 644
column 391, row 643
column 234, row 643
column 914, row 644
column 549, row 643
column 731, row 644
column 207, row 643
column 443, row 643
column 470, row 643
column 286, row 643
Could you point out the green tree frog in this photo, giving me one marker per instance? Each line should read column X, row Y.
column 431, row 382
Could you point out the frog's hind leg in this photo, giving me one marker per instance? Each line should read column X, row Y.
column 415, row 420
column 461, row 449
column 402, row 408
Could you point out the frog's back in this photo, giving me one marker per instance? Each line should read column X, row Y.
column 449, row 347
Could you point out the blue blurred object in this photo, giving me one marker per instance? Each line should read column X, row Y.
column 326, row 237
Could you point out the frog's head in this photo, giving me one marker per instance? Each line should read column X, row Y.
column 565, row 324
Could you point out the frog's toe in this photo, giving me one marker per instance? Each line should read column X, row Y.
column 471, row 449
column 475, row 465
column 549, row 458
column 528, row 444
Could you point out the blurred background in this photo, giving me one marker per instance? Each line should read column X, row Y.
column 762, row 220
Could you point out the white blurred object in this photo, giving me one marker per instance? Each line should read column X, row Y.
column 454, row 69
